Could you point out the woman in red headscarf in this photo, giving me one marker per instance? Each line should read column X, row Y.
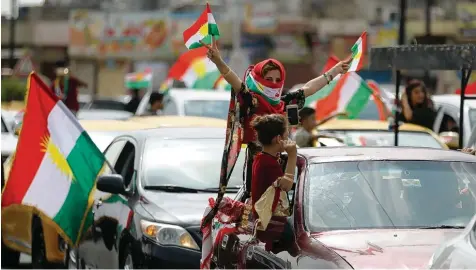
column 260, row 93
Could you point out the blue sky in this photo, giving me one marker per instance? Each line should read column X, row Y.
column 6, row 4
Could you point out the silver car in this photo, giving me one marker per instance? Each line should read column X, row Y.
column 458, row 253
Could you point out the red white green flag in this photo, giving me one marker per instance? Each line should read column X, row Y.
column 359, row 49
column 202, row 30
column 55, row 165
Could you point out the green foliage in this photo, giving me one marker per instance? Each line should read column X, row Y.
column 13, row 89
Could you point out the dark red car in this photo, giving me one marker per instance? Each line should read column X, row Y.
column 374, row 207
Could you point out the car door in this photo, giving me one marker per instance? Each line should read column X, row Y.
column 114, row 213
column 88, row 248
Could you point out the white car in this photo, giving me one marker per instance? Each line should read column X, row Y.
column 448, row 107
column 191, row 102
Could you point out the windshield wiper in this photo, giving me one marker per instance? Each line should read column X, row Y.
column 442, row 227
column 172, row 188
column 234, row 189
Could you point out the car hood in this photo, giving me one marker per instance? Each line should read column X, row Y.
column 386, row 248
column 186, row 209
column 9, row 144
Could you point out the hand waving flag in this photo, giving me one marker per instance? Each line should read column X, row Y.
column 202, row 30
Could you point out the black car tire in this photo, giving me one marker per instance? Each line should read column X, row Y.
column 10, row 257
column 126, row 261
column 38, row 248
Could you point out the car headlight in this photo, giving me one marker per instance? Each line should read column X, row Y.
column 170, row 235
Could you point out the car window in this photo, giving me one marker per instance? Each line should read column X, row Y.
column 4, row 127
column 102, row 139
column 472, row 117
column 389, row 194
column 207, row 108
column 192, row 163
column 385, row 138
column 107, row 105
column 112, row 153
column 170, row 108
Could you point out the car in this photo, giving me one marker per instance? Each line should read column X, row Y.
column 364, row 208
column 448, row 107
column 183, row 102
column 377, row 133
column 458, row 253
column 52, row 249
column 9, row 144
column 160, row 181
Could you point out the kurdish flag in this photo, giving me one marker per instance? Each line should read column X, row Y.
column 138, row 80
column 55, row 166
column 222, row 84
column 203, row 29
column 359, row 49
column 350, row 93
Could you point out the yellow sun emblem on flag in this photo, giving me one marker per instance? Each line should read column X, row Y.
column 48, row 147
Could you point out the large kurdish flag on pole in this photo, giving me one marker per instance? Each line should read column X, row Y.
column 55, row 166
column 350, row 94
column 203, row 29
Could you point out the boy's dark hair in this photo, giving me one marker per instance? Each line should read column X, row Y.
column 155, row 96
column 306, row 112
column 269, row 126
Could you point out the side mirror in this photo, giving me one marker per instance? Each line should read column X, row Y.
column 451, row 139
column 111, row 183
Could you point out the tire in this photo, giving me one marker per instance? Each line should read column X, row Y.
column 38, row 248
column 126, row 261
column 10, row 257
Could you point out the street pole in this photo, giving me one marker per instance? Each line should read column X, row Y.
column 13, row 19
column 428, row 4
column 401, row 41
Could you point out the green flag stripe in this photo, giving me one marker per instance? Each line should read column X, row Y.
column 85, row 161
column 213, row 30
column 358, row 101
column 207, row 81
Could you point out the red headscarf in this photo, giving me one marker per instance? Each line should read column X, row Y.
column 263, row 107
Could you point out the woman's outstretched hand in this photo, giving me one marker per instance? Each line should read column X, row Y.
column 213, row 53
column 342, row 67
column 290, row 147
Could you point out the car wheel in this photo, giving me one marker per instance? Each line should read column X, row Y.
column 38, row 248
column 127, row 260
column 10, row 257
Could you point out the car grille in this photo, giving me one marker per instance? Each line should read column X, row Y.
column 196, row 234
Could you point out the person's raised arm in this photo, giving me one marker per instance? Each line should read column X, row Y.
column 229, row 75
column 316, row 84
column 406, row 109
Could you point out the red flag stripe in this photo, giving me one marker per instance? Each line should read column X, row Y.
column 380, row 105
column 329, row 104
column 29, row 154
column 192, row 30
column 331, row 62
column 183, row 63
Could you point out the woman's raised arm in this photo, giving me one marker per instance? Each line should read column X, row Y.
column 316, row 84
column 229, row 75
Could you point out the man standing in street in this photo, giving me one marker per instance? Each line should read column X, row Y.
column 65, row 86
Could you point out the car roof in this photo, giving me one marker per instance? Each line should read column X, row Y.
column 356, row 124
column 185, row 94
column 178, row 121
column 112, row 125
column 454, row 100
column 333, row 154
column 179, row 133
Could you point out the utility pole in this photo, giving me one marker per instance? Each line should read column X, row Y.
column 13, row 19
column 401, row 41
column 428, row 4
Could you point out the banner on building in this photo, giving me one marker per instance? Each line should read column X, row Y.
column 466, row 20
column 122, row 35
column 261, row 17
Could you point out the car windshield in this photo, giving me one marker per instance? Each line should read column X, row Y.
column 472, row 117
column 207, row 108
column 385, row 138
column 190, row 163
column 389, row 194
column 102, row 139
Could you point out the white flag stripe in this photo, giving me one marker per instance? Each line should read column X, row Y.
column 189, row 77
column 348, row 90
column 194, row 39
column 355, row 62
column 48, row 179
column 64, row 132
column 211, row 19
